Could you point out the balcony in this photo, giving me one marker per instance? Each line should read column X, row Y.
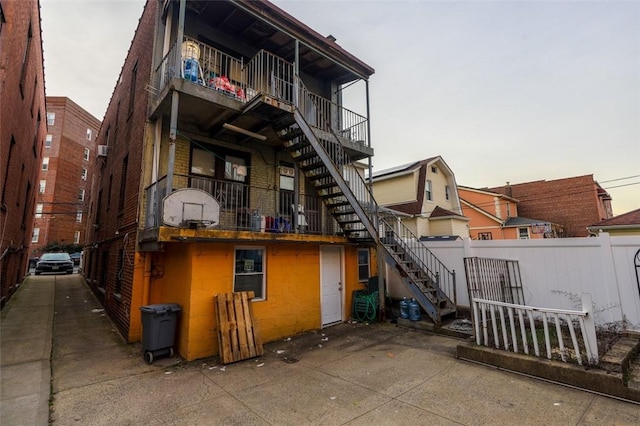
column 217, row 89
column 246, row 212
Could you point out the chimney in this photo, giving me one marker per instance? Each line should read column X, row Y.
column 508, row 189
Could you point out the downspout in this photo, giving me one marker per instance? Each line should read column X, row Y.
column 296, row 183
column 175, row 100
column 382, row 282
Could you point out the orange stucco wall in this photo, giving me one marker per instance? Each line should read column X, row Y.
column 190, row 274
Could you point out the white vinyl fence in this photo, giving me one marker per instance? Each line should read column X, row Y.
column 556, row 272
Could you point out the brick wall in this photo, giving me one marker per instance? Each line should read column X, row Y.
column 22, row 133
column 61, row 203
column 572, row 202
column 114, row 228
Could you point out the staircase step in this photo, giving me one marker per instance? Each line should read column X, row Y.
column 305, row 156
column 617, row 358
column 313, row 166
column 338, row 204
column 291, row 134
column 346, row 222
column 343, row 213
column 283, row 122
column 328, row 185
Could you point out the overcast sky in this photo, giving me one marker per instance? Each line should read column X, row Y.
column 504, row 91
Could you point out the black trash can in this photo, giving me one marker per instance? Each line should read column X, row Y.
column 158, row 330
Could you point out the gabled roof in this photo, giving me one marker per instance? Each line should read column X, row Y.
column 440, row 212
column 481, row 211
column 401, row 169
column 521, row 221
column 631, row 218
column 440, row 238
column 487, row 192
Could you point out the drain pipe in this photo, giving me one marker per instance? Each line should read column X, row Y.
column 146, row 280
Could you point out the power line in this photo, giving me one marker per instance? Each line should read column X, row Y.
column 622, row 178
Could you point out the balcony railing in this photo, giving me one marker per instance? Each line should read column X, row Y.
column 248, row 208
column 202, row 65
column 265, row 73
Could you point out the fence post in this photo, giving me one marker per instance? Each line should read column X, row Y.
column 590, row 327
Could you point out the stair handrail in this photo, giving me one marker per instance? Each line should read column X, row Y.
column 368, row 204
column 437, row 271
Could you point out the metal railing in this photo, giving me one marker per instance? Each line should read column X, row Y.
column 204, row 65
column 267, row 73
column 517, row 327
column 248, row 208
column 327, row 116
column 441, row 277
column 494, row 279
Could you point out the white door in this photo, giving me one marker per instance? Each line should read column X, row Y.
column 331, row 284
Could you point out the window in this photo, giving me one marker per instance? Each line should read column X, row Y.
column 35, row 236
column 363, row 265
column 249, row 271
column 447, row 193
column 428, row 191
column 43, row 186
column 45, row 163
column 76, row 237
column 81, row 195
column 523, row 233
column 123, row 183
column 79, row 216
column 434, row 169
column 132, row 88
column 39, row 207
column 89, row 134
column 25, row 60
column 48, row 140
column 84, row 174
column 86, row 154
column 485, row 236
column 51, row 118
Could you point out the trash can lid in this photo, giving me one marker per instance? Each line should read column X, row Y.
column 160, row 308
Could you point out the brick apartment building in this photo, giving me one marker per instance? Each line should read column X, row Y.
column 573, row 203
column 22, row 134
column 66, row 172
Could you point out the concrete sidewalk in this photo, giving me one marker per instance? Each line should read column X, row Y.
column 348, row 374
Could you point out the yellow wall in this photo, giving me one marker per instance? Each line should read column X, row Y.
column 192, row 273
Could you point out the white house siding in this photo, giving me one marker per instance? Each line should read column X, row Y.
column 397, row 190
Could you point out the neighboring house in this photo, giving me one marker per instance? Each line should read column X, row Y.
column 426, row 193
column 66, row 173
column 230, row 169
column 22, row 132
column 494, row 216
column 573, row 203
column 624, row 224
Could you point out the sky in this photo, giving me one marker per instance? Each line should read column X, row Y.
column 505, row 91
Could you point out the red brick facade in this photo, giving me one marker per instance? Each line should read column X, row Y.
column 70, row 148
column 117, row 180
column 574, row 203
column 22, row 133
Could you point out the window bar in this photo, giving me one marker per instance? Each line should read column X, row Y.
column 514, row 335
column 505, row 338
column 485, row 330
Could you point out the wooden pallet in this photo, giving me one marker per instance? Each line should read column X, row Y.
column 238, row 332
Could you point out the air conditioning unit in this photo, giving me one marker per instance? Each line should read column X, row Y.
column 102, row 150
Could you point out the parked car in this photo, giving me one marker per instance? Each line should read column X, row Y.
column 76, row 257
column 55, row 263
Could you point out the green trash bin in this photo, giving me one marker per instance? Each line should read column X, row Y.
column 158, row 330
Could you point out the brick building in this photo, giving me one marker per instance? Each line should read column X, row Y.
column 22, row 134
column 66, row 172
column 573, row 203
column 228, row 128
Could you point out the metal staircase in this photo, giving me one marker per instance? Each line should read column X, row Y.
column 319, row 153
